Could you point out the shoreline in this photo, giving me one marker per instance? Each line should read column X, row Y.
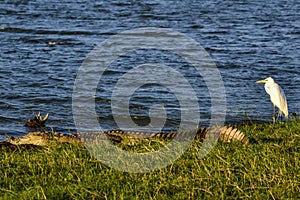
column 43, row 133
column 49, row 128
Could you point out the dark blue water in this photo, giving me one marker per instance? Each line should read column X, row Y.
column 43, row 44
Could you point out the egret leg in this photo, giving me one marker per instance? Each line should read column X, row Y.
column 274, row 116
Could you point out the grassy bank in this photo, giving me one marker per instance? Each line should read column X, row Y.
column 268, row 167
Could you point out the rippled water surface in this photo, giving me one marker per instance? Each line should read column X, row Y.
column 44, row 43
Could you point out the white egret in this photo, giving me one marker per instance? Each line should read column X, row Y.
column 277, row 96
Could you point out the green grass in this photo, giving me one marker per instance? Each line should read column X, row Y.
column 267, row 168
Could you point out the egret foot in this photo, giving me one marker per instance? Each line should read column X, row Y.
column 274, row 119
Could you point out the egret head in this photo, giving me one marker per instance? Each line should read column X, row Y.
column 269, row 80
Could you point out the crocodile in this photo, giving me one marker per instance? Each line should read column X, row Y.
column 40, row 138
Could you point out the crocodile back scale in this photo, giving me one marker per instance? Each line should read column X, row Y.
column 224, row 134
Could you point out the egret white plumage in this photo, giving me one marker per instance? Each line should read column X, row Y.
column 277, row 96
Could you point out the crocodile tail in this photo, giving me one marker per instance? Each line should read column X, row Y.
column 230, row 133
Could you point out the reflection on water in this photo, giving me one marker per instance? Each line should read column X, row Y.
column 44, row 43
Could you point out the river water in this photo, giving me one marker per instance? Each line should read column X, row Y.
column 44, row 43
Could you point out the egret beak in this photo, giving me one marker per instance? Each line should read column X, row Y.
column 261, row 81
